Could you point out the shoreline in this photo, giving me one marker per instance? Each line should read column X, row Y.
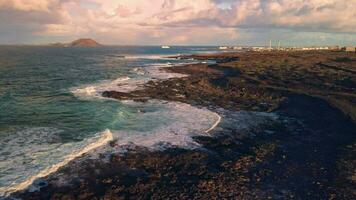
column 106, row 136
column 307, row 155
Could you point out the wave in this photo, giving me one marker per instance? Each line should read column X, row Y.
column 164, row 123
column 217, row 122
column 139, row 71
column 150, row 57
column 125, row 84
column 94, row 91
column 41, row 156
column 156, row 72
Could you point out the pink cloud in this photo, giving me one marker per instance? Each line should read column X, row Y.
column 25, row 5
column 176, row 20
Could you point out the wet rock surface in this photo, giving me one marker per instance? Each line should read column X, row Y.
column 307, row 153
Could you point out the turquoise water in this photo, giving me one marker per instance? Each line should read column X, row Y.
column 35, row 81
column 50, row 105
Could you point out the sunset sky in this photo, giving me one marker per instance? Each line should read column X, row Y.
column 179, row 22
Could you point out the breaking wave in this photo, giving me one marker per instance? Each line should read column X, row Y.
column 150, row 57
column 165, row 123
column 32, row 153
column 125, row 84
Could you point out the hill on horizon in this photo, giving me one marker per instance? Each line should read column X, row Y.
column 84, row 42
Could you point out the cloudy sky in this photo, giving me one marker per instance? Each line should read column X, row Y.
column 180, row 22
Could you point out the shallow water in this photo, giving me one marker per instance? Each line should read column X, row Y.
column 51, row 104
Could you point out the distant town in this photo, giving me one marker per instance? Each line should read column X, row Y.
column 279, row 48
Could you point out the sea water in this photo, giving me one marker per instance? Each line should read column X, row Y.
column 51, row 108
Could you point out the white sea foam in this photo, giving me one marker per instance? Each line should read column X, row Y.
column 173, row 124
column 32, row 153
column 180, row 122
column 94, row 91
column 217, row 122
column 156, row 72
column 139, row 70
column 125, row 84
column 151, row 57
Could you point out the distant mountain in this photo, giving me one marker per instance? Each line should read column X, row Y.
column 84, row 42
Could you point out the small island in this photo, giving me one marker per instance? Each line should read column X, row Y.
column 82, row 42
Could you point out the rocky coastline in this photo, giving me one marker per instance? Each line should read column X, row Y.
column 310, row 153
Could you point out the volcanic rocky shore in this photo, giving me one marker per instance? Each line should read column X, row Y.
column 309, row 154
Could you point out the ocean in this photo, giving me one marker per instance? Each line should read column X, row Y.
column 51, row 108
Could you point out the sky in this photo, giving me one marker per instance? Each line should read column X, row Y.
column 180, row 22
